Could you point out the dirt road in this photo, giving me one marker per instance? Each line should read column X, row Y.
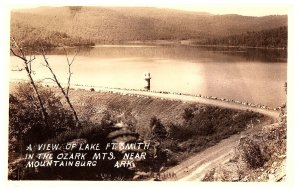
column 196, row 167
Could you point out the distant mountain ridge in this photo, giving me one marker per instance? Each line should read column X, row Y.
column 117, row 24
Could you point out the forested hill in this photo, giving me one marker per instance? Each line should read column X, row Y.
column 35, row 37
column 117, row 24
column 273, row 38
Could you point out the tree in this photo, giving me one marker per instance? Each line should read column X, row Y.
column 158, row 130
column 54, row 78
column 18, row 52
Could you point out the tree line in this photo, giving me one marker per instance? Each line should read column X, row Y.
column 273, row 38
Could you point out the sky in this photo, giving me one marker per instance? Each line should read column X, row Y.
column 247, row 8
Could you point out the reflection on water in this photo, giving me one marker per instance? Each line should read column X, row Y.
column 179, row 52
column 253, row 75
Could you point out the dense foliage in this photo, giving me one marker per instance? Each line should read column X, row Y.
column 210, row 121
column 273, row 38
column 26, row 124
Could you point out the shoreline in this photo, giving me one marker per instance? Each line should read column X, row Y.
column 189, row 42
column 155, row 43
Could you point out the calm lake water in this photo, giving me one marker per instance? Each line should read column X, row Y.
column 252, row 75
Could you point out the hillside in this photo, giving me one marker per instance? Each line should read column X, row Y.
column 181, row 129
column 117, row 24
column 28, row 36
column 271, row 38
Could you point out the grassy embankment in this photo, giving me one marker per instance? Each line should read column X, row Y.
column 191, row 127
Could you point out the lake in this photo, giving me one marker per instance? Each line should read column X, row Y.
column 253, row 75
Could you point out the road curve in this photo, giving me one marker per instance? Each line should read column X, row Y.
column 197, row 166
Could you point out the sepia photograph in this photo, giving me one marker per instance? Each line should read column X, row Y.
column 159, row 92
